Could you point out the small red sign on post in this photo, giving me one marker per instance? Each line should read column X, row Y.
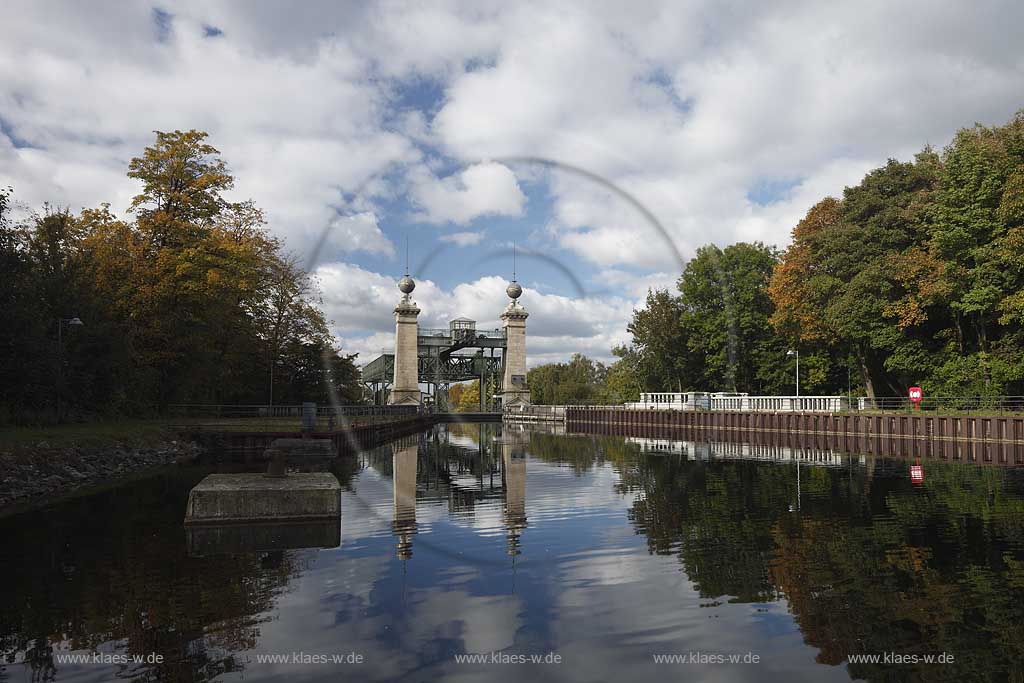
column 916, row 395
column 916, row 474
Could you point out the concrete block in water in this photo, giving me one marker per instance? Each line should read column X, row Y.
column 255, row 498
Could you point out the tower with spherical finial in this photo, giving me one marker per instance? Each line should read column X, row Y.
column 513, row 386
column 405, row 389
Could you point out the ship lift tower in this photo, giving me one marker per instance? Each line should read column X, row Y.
column 456, row 354
column 439, row 364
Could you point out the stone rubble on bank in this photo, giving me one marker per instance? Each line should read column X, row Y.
column 42, row 471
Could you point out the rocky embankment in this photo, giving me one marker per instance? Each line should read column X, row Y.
column 40, row 472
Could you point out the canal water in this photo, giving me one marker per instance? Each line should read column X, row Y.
column 550, row 558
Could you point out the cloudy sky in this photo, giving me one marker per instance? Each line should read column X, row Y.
column 608, row 140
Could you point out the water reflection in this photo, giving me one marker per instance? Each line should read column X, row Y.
column 112, row 571
column 474, row 538
column 406, row 453
column 513, row 460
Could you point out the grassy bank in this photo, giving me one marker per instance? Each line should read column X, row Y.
column 90, row 434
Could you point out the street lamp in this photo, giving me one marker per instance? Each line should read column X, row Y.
column 70, row 322
column 791, row 352
column 270, row 399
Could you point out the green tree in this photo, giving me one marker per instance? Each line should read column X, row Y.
column 976, row 218
column 581, row 380
column 725, row 320
column 622, row 380
column 658, row 339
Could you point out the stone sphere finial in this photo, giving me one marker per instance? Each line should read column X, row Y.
column 514, row 291
column 406, row 285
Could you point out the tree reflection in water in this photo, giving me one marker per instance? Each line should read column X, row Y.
column 113, row 568
column 867, row 562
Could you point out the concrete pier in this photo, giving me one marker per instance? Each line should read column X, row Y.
column 223, row 498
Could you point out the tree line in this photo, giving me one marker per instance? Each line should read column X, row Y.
column 915, row 276
column 188, row 300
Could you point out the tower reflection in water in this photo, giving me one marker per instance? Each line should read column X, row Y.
column 513, row 465
column 405, row 453
column 460, row 467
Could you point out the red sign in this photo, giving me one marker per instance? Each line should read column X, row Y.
column 916, row 474
column 915, row 395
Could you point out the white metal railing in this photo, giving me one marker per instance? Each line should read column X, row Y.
column 534, row 412
column 698, row 400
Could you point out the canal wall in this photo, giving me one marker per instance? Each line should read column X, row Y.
column 33, row 475
column 986, row 439
column 248, row 446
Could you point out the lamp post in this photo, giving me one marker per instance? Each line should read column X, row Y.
column 791, row 352
column 70, row 322
column 270, row 398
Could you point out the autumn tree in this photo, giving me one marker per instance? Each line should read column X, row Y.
column 469, row 398
column 859, row 280
column 190, row 301
column 182, row 181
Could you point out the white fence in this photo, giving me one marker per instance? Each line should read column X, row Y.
column 534, row 413
column 699, row 400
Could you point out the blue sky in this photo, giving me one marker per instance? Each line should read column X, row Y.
column 374, row 122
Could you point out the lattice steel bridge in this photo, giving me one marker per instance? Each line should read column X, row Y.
column 441, row 363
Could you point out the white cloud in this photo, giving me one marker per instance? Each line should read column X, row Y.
column 359, row 232
column 482, row 189
column 689, row 112
column 324, row 110
column 360, row 305
column 296, row 134
column 357, row 299
column 635, row 284
column 463, row 239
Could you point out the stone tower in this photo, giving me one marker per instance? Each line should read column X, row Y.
column 513, row 386
column 406, row 386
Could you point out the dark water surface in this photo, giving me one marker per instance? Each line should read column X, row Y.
column 600, row 552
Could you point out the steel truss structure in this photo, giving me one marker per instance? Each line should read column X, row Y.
column 440, row 365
